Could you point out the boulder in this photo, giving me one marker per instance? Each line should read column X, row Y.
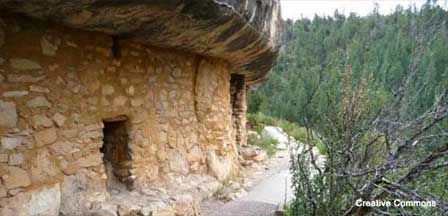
column 254, row 134
column 248, row 152
column 46, row 201
column 277, row 134
column 219, row 167
column 252, row 153
column 184, row 204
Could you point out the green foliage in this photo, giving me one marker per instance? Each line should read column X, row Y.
column 256, row 103
column 361, row 87
column 309, row 70
column 258, row 121
column 294, row 130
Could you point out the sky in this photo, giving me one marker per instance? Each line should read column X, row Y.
column 295, row 9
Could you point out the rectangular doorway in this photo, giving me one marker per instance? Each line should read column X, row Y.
column 116, row 155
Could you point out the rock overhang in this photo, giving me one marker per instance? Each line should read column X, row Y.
column 246, row 33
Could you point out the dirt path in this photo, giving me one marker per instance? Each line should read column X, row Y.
column 265, row 195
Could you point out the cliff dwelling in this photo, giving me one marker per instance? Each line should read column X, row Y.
column 137, row 99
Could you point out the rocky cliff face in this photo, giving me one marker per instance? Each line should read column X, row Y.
column 243, row 32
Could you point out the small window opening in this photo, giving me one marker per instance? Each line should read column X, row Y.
column 116, row 48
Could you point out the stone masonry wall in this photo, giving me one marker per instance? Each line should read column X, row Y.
column 57, row 85
column 239, row 107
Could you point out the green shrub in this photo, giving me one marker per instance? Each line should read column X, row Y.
column 257, row 121
column 321, row 146
column 268, row 144
column 294, row 130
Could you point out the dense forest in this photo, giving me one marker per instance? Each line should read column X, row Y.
column 374, row 91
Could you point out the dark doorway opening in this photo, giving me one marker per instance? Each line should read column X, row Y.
column 238, row 100
column 116, row 155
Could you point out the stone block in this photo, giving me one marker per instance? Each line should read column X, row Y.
column 178, row 163
column 15, row 93
column 42, row 120
column 16, row 177
column 89, row 161
column 3, row 158
column 46, row 201
column 24, row 64
column 43, row 167
column 45, row 137
column 120, row 101
column 39, row 101
column 3, row 192
column 107, row 90
column 59, row 119
column 49, row 45
column 16, row 159
column 195, row 154
column 69, row 133
column 137, row 102
column 39, row 89
column 11, row 142
column 24, row 78
column 220, row 167
column 8, row 114
column 130, row 90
